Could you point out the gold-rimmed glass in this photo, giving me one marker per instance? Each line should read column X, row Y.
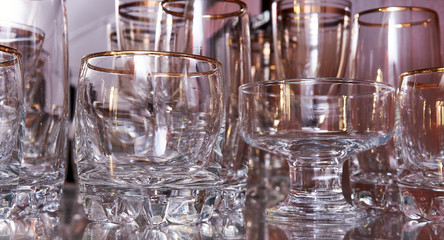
column 136, row 24
column 386, row 42
column 38, row 29
column 12, row 116
column 146, row 123
column 311, row 37
column 421, row 122
column 218, row 29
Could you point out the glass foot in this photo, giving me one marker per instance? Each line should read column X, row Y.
column 331, row 213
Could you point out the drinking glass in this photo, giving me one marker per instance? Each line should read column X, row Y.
column 146, row 123
column 38, row 30
column 136, row 24
column 386, row 42
column 421, row 121
column 218, row 29
column 315, row 124
column 311, row 37
column 12, row 113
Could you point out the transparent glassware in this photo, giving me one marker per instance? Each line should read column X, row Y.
column 38, row 30
column 136, row 24
column 220, row 30
column 12, row 115
column 146, row 124
column 386, row 42
column 315, row 124
column 311, row 38
column 268, row 174
column 421, row 142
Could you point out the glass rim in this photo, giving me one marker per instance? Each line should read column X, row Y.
column 242, row 10
column 33, row 31
column 424, row 70
column 431, row 85
column 17, row 56
column 307, row 6
column 90, row 56
column 134, row 4
column 396, row 9
column 244, row 87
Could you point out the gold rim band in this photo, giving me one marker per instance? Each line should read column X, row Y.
column 426, row 21
column 134, row 4
column 242, row 9
column 17, row 56
column 314, row 9
column 86, row 59
column 422, row 71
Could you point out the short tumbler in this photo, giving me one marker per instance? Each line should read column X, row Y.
column 146, row 123
column 421, row 143
column 12, row 113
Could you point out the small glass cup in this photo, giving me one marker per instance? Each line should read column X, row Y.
column 12, row 115
column 421, row 143
column 146, row 124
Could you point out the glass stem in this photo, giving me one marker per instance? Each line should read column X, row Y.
column 317, row 184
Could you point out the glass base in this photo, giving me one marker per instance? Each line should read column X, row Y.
column 293, row 210
column 421, row 197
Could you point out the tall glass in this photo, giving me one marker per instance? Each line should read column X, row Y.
column 385, row 43
column 12, row 113
column 315, row 124
column 217, row 29
column 311, row 37
column 421, row 140
column 136, row 24
column 146, row 124
column 38, row 29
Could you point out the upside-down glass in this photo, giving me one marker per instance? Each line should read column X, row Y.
column 311, row 37
column 421, row 140
column 37, row 28
column 385, row 43
column 315, row 124
column 12, row 113
column 217, row 29
column 146, row 123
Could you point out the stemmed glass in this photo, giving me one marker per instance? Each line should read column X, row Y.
column 385, row 43
column 311, row 38
column 421, row 141
column 315, row 124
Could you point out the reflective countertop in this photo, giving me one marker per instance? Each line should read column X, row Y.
column 71, row 223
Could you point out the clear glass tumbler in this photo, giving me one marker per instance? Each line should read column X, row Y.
column 12, row 113
column 386, row 42
column 218, row 29
column 311, row 38
column 38, row 29
column 421, row 141
column 146, row 124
